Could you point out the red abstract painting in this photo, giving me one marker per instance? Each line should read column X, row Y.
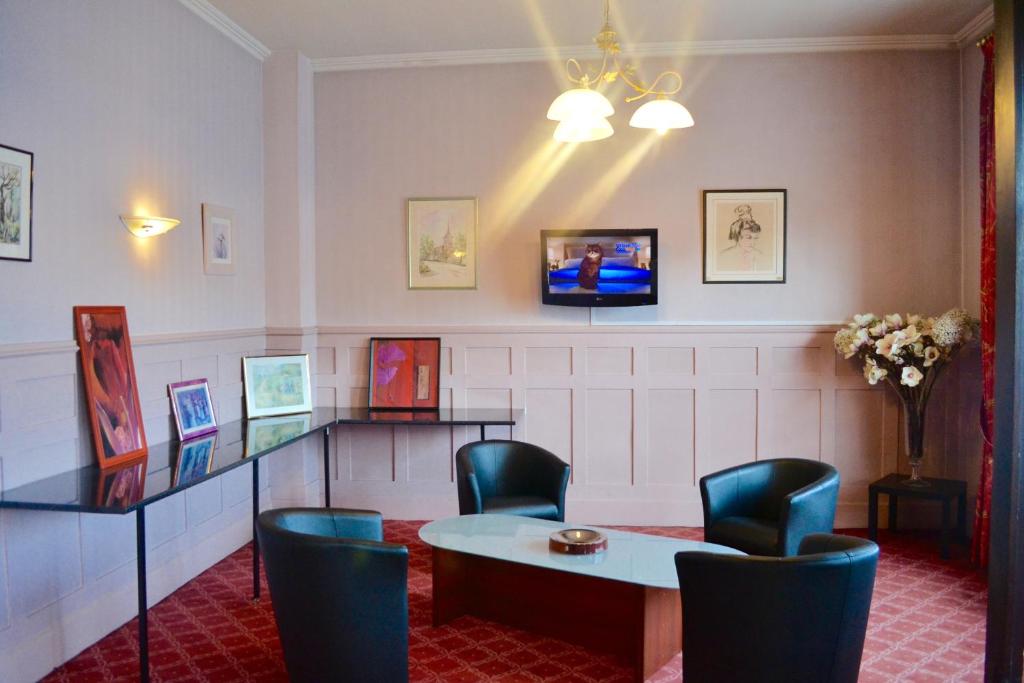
column 111, row 390
column 404, row 373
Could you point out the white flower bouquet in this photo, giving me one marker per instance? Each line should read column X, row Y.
column 908, row 353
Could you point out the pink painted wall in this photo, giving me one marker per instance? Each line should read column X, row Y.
column 866, row 143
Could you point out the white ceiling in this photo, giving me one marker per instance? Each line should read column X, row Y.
column 338, row 29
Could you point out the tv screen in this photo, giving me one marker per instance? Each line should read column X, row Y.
column 599, row 267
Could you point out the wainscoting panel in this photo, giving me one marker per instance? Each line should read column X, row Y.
column 641, row 414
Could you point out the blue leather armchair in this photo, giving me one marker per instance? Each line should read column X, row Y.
column 767, row 507
column 340, row 594
column 796, row 619
column 512, row 478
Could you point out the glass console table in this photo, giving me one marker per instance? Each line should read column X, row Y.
column 174, row 466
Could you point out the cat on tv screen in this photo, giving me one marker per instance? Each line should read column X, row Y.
column 599, row 267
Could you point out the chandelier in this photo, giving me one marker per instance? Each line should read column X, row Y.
column 582, row 112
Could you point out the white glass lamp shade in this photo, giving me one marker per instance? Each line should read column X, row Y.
column 148, row 226
column 578, row 103
column 585, row 129
column 661, row 115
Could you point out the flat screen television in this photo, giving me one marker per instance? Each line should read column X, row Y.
column 599, row 267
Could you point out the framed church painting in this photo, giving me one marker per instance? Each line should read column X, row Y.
column 111, row 390
column 442, row 243
column 744, row 236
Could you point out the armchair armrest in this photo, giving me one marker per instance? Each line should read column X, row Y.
column 470, row 500
column 552, row 479
column 814, row 544
column 365, row 525
column 719, row 494
column 809, row 510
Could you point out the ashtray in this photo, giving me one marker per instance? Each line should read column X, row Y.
column 577, row 542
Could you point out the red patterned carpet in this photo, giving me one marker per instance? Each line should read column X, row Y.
column 927, row 624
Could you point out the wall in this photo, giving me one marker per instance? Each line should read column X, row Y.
column 867, row 145
column 127, row 105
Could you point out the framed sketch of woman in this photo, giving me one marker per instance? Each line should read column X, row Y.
column 744, row 236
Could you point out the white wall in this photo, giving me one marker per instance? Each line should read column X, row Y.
column 128, row 105
column 866, row 143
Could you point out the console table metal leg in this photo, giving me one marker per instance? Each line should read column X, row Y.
column 140, row 565
column 894, row 507
column 873, row 515
column 327, row 467
column 255, row 538
column 483, row 433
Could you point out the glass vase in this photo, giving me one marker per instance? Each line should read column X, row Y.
column 914, row 417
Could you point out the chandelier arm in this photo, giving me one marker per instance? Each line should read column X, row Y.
column 644, row 91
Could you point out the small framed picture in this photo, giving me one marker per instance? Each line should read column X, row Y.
column 276, row 385
column 442, row 243
column 193, row 408
column 195, row 459
column 405, row 373
column 744, row 236
column 218, row 240
column 15, row 204
column 265, row 433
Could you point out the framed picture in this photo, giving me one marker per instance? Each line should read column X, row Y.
column 122, row 485
column 218, row 240
column 111, row 390
column 276, row 385
column 266, row 432
column 744, row 236
column 442, row 243
column 15, row 204
column 195, row 459
column 405, row 373
column 193, row 408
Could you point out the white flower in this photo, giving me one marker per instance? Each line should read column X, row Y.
column 894, row 320
column 911, row 376
column 888, row 345
column 880, row 329
column 864, row 319
column 861, row 338
column 913, row 319
column 931, row 355
column 953, row 328
column 909, row 335
column 873, row 373
column 843, row 341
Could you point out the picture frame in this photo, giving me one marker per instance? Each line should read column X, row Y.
column 276, row 385
column 744, row 236
column 264, row 433
column 123, row 484
column 219, row 257
column 16, row 181
column 442, row 242
column 111, row 387
column 405, row 373
column 192, row 407
column 195, row 459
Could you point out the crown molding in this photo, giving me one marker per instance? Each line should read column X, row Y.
column 976, row 27
column 639, row 50
column 220, row 21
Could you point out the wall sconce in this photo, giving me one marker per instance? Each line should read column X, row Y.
column 148, row 226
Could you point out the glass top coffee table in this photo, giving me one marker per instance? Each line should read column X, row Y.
column 624, row 600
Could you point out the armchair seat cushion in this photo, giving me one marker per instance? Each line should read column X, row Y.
column 526, row 506
column 752, row 536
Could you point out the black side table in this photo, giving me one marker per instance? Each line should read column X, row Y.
column 944, row 490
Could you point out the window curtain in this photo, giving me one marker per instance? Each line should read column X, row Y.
column 979, row 545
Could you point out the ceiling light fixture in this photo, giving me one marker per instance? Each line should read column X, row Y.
column 582, row 111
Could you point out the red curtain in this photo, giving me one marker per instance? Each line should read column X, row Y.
column 979, row 546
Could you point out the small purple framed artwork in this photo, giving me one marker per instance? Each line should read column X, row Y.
column 193, row 408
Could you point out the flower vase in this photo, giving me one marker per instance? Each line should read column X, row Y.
column 915, row 444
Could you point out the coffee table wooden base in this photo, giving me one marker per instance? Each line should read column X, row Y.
column 639, row 624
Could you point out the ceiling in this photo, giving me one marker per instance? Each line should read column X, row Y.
column 338, row 29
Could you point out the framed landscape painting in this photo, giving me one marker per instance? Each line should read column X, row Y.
column 405, row 373
column 218, row 240
column 266, row 432
column 442, row 243
column 111, row 390
column 15, row 204
column 745, row 236
column 276, row 385
column 195, row 459
column 192, row 407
